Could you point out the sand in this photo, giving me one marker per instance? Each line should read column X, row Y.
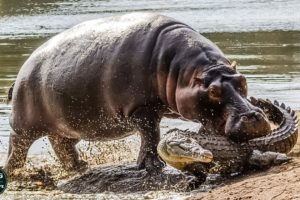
column 279, row 182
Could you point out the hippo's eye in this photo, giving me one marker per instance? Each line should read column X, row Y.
column 214, row 92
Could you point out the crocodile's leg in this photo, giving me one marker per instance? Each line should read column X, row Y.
column 266, row 159
column 200, row 170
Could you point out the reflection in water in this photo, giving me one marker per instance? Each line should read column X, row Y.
column 44, row 17
column 27, row 7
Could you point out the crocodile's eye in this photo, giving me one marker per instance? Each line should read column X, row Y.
column 173, row 143
column 188, row 140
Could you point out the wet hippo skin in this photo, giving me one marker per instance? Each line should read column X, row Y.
column 105, row 78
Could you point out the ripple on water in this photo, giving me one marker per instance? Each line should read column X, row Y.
column 38, row 18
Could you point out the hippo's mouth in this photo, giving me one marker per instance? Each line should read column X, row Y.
column 243, row 126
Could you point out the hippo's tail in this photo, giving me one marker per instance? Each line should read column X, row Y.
column 10, row 91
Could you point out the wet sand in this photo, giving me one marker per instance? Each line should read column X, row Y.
column 279, row 182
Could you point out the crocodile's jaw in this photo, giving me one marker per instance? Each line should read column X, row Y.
column 177, row 163
column 179, row 151
column 189, row 152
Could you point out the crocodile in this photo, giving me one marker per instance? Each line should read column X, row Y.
column 201, row 153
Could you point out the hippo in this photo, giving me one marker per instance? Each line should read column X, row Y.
column 107, row 78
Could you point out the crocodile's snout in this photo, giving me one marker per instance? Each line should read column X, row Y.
column 185, row 149
column 202, row 155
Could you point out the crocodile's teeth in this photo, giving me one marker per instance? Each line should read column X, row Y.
column 276, row 103
column 253, row 100
column 282, row 105
column 262, row 102
column 295, row 117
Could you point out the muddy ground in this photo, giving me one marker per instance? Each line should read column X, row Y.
column 279, row 182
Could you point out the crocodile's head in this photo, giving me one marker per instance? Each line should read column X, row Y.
column 179, row 151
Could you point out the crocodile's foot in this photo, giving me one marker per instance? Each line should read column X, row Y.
column 266, row 159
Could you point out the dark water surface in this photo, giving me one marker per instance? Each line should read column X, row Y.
column 262, row 36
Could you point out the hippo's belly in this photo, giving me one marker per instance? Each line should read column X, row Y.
column 100, row 130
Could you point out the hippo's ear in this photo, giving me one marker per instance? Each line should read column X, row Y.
column 233, row 65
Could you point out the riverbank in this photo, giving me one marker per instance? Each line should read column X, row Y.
column 279, row 182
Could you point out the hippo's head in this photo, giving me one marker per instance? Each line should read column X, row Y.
column 217, row 98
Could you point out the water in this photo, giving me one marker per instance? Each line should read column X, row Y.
column 262, row 36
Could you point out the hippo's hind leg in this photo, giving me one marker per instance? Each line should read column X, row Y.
column 67, row 153
column 19, row 144
column 148, row 125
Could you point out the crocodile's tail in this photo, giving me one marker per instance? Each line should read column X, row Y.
column 10, row 91
column 283, row 138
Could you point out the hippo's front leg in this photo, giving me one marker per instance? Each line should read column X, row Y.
column 147, row 121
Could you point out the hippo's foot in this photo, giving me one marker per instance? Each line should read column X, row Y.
column 267, row 159
column 151, row 163
column 15, row 174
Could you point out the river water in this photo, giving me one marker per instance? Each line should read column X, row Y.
column 262, row 36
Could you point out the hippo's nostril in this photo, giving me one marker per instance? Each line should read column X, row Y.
column 250, row 116
column 244, row 118
column 258, row 116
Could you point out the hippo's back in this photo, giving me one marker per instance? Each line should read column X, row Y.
column 97, row 69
